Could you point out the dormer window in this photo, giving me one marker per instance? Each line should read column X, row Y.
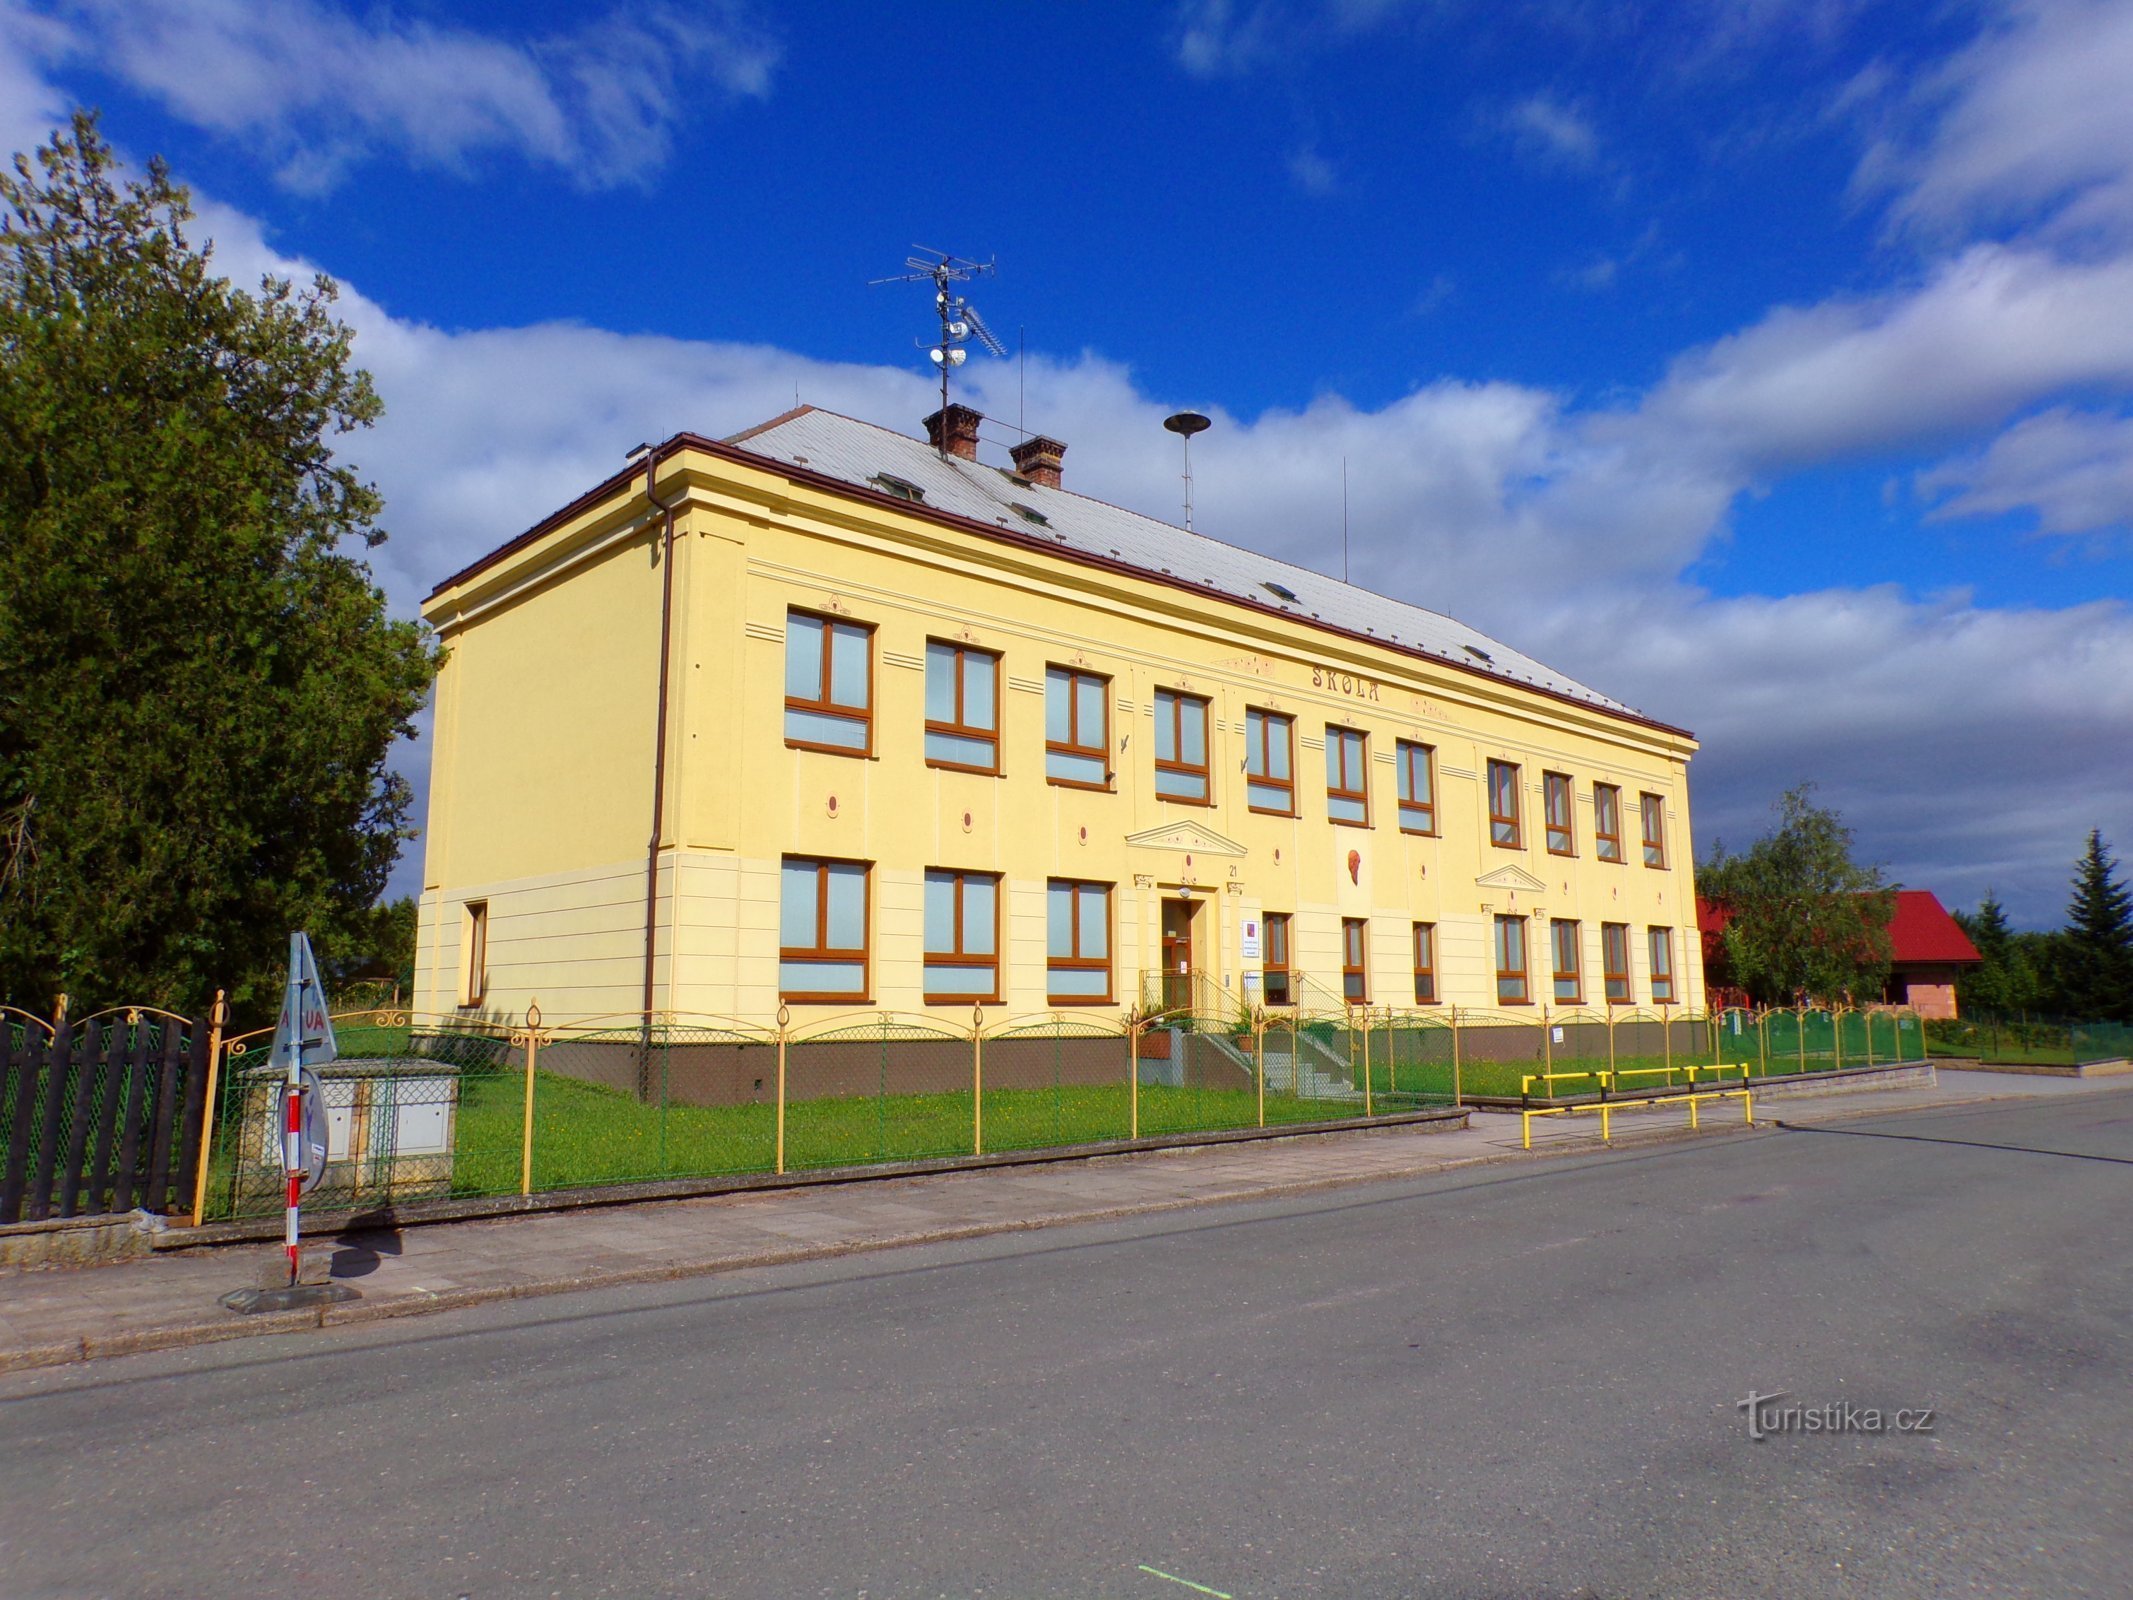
column 901, row 488
column 1281, row 591
column 1031, row 514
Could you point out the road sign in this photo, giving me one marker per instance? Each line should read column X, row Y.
column 311, row 1135
column 303, row 1012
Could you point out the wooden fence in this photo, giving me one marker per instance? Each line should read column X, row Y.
column 100, row 1114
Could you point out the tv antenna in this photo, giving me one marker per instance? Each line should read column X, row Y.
column 960, row 322
column 1185, row 424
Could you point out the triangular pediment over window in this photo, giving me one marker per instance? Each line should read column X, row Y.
column 1510, row 877
column 1189, row 836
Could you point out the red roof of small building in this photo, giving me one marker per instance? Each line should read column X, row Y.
column 1921, row 929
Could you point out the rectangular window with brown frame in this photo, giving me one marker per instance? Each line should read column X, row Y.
column 829, row 684
column 1614, row 961
column 1425, row 963
column 1077, row 942
column 1662, row 943
column 1181, row 747
column 1652, row 809
column 1504, row 808
column 1355, row 960
column 1270, row 762
column 823, row 922
column 1415, row 765
column 1347, row 776
column 962, row 708
column 1512, row 988
column 474, row 954
column 1077, row 728
column 962, row 937
column 1559, row 813
column 1569, row 976
column 1274, row 976
column 1607, row 822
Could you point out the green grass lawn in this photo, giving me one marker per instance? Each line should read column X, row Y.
column 587, row 1134
column 2007, row 1051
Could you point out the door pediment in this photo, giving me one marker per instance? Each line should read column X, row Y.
column 1510, row 876
column 1187, row 836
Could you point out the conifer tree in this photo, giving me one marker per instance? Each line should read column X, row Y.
column 2096, row 953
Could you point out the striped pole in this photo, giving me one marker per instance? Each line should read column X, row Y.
column 293, row 1137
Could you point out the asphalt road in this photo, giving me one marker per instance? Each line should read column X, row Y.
column 1521, row 1381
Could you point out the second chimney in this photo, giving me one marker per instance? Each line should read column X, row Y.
column 1037, row 459
column 960, row 425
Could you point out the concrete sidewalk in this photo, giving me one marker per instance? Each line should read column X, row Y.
column 57, row 1315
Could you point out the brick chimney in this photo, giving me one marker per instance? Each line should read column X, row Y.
column 961, row 425
column 1037, row 459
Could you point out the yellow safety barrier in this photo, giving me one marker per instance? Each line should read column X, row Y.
column 1607, row 1107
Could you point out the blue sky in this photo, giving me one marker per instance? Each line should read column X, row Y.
column 1765, row 363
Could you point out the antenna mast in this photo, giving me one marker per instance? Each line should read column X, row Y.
column 960, row 321
column 1185, row 424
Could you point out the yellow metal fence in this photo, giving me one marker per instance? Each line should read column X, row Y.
column 435, row 1106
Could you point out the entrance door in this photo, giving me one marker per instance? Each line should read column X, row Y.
column 1177, row 953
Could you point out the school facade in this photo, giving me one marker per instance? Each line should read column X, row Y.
column 829, row 719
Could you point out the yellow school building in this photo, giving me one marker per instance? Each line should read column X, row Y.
column 825, row 718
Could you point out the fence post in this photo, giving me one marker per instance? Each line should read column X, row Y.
column 1547, row 1052
column 1133, row 1082
column 1836, row 1035
column 1259, row 1057
column 1666, row 1042
column 1366, row 1053
column 218, row 1017
column 1455, row 1058
column 784, row 1017
column 532, row 1037
column 977, row 1080
column 1611, row 1046
column 1762, row 1041
column 1799, row 1018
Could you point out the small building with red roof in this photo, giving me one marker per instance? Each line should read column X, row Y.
column 1930, row 952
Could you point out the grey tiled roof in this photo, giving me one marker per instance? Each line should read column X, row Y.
column 861, row 454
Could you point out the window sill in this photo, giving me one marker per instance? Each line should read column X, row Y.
column 826, row 999
column 1421, row 833
column 1086, row 788
column 1079, row 1000
column 830, row 750
column 975, row 772
column 1340, row 823
column 1566, row 855
column 1266, row 811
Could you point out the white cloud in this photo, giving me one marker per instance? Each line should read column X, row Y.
column 321, row 88
column 1987, row 334
column 2073, row 469
column 1312, row 172
column 2033, row 120
column 1551, row 131
column 31, row 106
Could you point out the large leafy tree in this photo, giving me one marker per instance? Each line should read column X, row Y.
column 2095, row 968
column 198, row 684
column 1805, row 919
